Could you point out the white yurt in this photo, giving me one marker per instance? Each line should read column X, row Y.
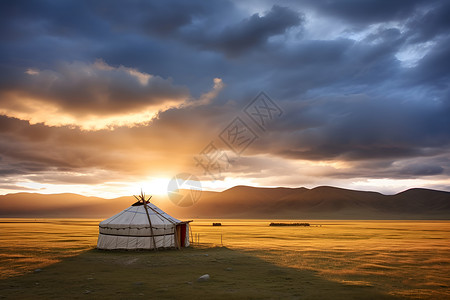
column 142, row 226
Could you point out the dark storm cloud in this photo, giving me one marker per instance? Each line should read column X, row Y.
column 366, row 11
column 426, row 26
column 246, row 34
column 359, row 130
column 334, row 65
column 373, row 92
column 40, row 34
column 27, row 19
column 433, row 68
column 161, row 18
column 71, row 19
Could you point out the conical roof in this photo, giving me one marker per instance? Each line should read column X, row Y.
column 134, row 221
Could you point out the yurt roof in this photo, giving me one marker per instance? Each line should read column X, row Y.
column 135, row 216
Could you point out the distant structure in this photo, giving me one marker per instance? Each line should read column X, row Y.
column 143, row 226
column 289, row 224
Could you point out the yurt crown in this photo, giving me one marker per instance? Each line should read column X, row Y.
column 141, row 198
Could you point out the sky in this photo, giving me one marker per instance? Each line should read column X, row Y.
column 107, row 97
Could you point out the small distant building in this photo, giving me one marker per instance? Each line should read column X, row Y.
column 143, row 226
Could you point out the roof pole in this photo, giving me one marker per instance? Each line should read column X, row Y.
column 148, row 217
column 151, row 227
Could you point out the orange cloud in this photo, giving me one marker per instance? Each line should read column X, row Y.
column 94, row 96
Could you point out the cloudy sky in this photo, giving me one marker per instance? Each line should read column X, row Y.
column 105, row 97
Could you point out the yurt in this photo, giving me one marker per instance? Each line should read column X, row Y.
column 142, row 226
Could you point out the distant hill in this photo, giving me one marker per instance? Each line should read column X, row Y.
column 58, row 205
column 247, row 202
column 319, row 203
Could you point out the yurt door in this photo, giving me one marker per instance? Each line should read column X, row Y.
column 181, row 233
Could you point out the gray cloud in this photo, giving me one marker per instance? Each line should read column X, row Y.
column 433, row 68
column 373, row 95
column 366, row 12
column 422, row 170
column 247, row 34
column 432, row 23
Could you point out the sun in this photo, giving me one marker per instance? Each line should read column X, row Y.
column 151, row 186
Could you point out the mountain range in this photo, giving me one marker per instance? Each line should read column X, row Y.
column 322, row 202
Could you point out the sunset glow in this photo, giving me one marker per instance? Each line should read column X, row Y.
column 106, row 103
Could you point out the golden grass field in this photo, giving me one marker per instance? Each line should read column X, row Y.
column 329, row 260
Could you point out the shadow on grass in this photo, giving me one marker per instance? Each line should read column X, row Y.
column 173, row 274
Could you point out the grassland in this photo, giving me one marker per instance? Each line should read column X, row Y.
column 173, row 275
column 328, row 260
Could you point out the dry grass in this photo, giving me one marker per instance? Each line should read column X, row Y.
column 340, row 259
column 173, row 275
